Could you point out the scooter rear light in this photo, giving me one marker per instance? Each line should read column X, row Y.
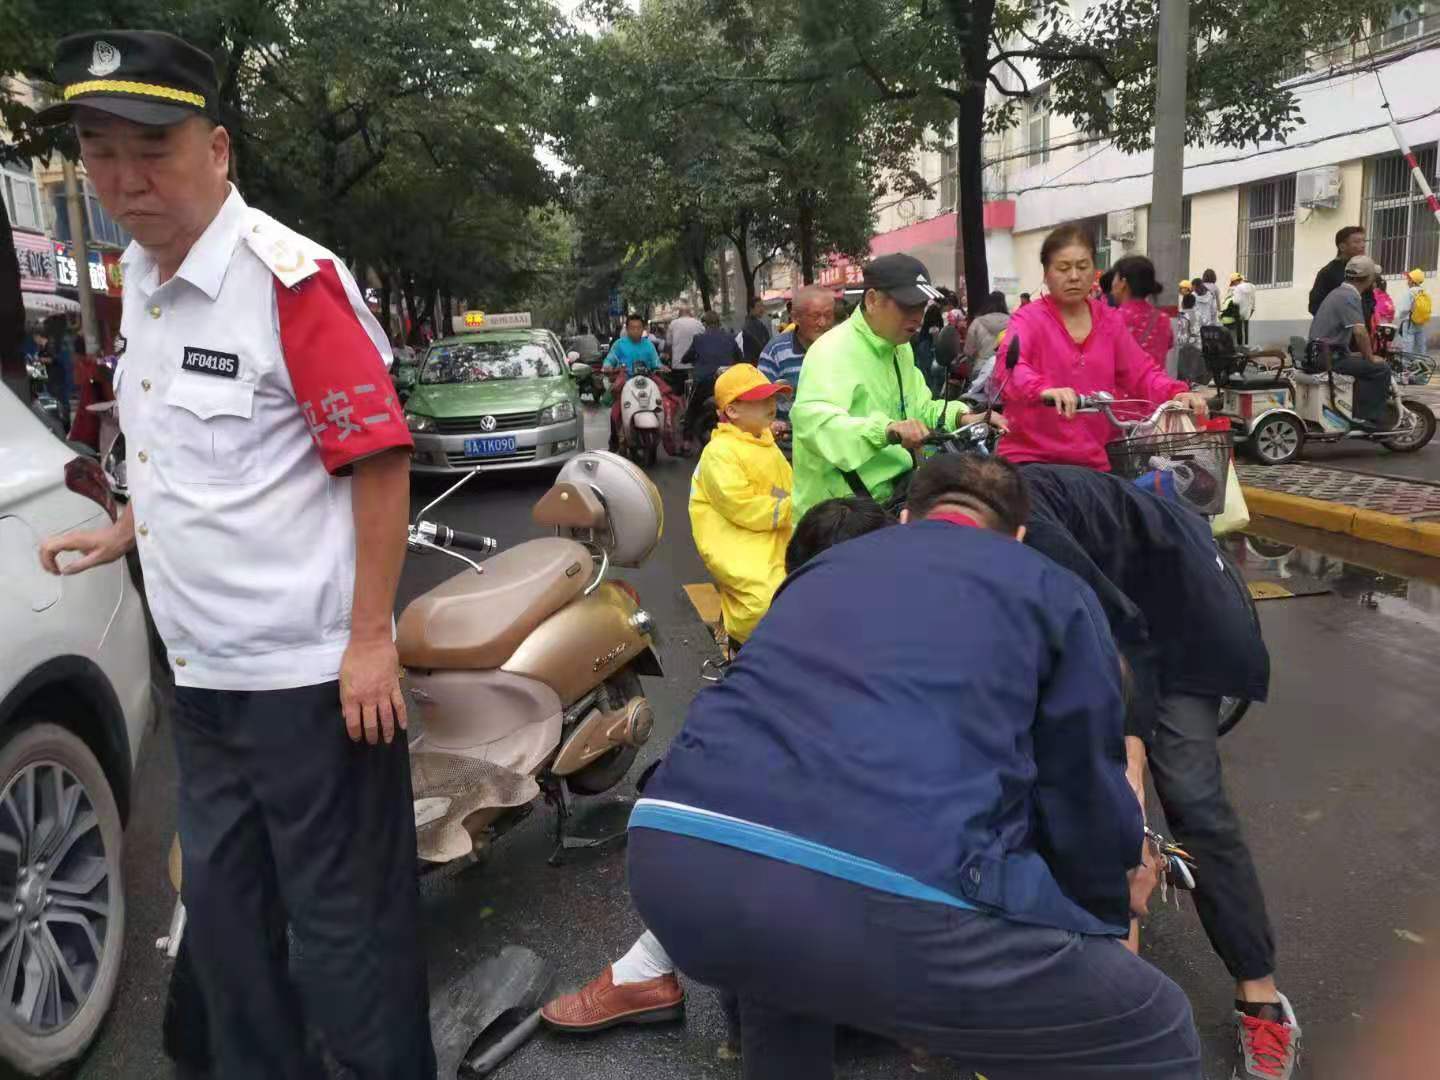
column 85, row 477
column 628, row 590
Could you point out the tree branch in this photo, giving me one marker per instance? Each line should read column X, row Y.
column 886, row 93
column 1089, row 56
column 995, row 82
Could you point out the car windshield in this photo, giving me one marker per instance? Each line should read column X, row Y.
column 487, row 361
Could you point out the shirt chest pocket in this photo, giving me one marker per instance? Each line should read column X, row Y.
column 211, row 435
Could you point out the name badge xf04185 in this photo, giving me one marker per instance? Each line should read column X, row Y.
column 209, row 362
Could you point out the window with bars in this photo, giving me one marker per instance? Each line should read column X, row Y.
column 1100, row 230
column 949, row 190
column 1037, row 127
column 1409, row 22
column 1185, row 236
column 1266, row 246
column 22, row 199
column 1401, row 232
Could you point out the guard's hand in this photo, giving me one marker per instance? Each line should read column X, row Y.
column 1065, row 400
column 911, row 434
column 370, row 694
column 779, row 428
column 1144, row 879
column 96, row 547
column 1198, row 404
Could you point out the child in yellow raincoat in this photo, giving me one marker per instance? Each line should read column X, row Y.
column 740, row 500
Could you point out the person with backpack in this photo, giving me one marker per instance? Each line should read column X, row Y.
column 1414, row 314
column 1240, row 307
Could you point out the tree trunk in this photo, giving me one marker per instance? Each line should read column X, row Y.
column 701, row 271
column 412, row 313
column 806, row 214
column 973, row 24
column 447, row 310
column 387, row 294
column 747, row 274
column 970, row 136
column 12, row 314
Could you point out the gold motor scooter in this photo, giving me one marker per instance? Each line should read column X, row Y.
column 524, row 671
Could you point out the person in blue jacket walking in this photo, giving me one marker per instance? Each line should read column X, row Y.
column 913, row 818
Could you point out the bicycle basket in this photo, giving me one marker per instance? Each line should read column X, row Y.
column 1197, row 464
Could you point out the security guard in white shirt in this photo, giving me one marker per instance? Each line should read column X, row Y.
column 269, row 475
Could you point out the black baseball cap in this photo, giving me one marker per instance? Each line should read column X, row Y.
column 146, row 76
column 903, row 277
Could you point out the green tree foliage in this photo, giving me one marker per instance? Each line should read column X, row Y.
column 932, row 61
column 399, row 132
column 689, row 129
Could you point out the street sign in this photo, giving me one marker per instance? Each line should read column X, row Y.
column 616, row 307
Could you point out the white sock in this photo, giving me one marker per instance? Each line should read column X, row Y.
column 647, row 959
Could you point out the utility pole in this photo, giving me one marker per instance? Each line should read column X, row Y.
column 81, row 247
column 1167, row 184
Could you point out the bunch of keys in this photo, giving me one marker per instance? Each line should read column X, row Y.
column 1175, row 863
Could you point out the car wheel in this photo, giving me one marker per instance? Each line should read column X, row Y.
column 62, row 898
column 1277, row 440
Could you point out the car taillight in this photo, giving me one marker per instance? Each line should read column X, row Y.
column 628, row 590
column 84, row 476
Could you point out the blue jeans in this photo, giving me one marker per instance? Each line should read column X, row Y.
column 806, row 952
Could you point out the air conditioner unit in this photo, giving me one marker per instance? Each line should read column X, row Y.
column 1318, row 188
column 1120, row 225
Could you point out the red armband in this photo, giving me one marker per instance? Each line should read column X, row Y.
column 337, row 372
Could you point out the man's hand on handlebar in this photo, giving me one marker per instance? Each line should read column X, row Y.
column 994, row 419
column 1198, row 404
column 910, row 434
column 1065, row 400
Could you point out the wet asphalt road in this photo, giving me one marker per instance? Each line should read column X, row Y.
column 1335, row 778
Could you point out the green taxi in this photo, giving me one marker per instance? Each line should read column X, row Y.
column 494, row 399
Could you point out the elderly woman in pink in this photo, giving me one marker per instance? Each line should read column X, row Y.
column 1071, row 344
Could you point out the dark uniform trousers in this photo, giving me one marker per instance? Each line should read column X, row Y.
column 285, row 820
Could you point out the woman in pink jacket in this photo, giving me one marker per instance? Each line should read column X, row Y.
column 1070, row 345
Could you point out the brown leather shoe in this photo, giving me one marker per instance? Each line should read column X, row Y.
column 602, row 1004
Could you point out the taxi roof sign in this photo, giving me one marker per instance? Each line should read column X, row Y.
column 502, row 320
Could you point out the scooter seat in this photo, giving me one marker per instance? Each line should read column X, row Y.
column 477, row 621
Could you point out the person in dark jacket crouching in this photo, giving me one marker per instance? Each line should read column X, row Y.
column 905, row 810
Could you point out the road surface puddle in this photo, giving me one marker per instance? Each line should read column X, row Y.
column 1279, row 569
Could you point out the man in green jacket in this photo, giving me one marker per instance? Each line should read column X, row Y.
column 862, row 406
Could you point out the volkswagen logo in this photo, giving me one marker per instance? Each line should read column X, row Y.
column 487, row 423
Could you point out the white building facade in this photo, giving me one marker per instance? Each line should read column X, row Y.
column 1269, row 211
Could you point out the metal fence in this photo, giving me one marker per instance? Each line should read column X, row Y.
column 1266, row 245
column 1401, row 230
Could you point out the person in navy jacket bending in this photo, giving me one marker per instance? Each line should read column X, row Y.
column 905, row 810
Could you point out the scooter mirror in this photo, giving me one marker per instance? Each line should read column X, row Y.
column 579, row 369
column 572, row 356
column 1012, row 351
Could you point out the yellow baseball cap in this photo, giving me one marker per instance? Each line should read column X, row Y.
column 1236, row 276
column 1416, row 276
column 1185, row 286
column 745, row 382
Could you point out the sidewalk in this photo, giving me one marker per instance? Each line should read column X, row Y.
column 1398, row 513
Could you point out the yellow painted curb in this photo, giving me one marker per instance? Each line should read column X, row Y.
column 1370, row 525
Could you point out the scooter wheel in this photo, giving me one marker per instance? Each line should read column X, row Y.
column 1418, row 435
column 1277, row 440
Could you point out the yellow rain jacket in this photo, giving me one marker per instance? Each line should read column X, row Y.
column 740, row 518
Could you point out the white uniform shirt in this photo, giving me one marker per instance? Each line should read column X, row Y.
column 247, row 385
